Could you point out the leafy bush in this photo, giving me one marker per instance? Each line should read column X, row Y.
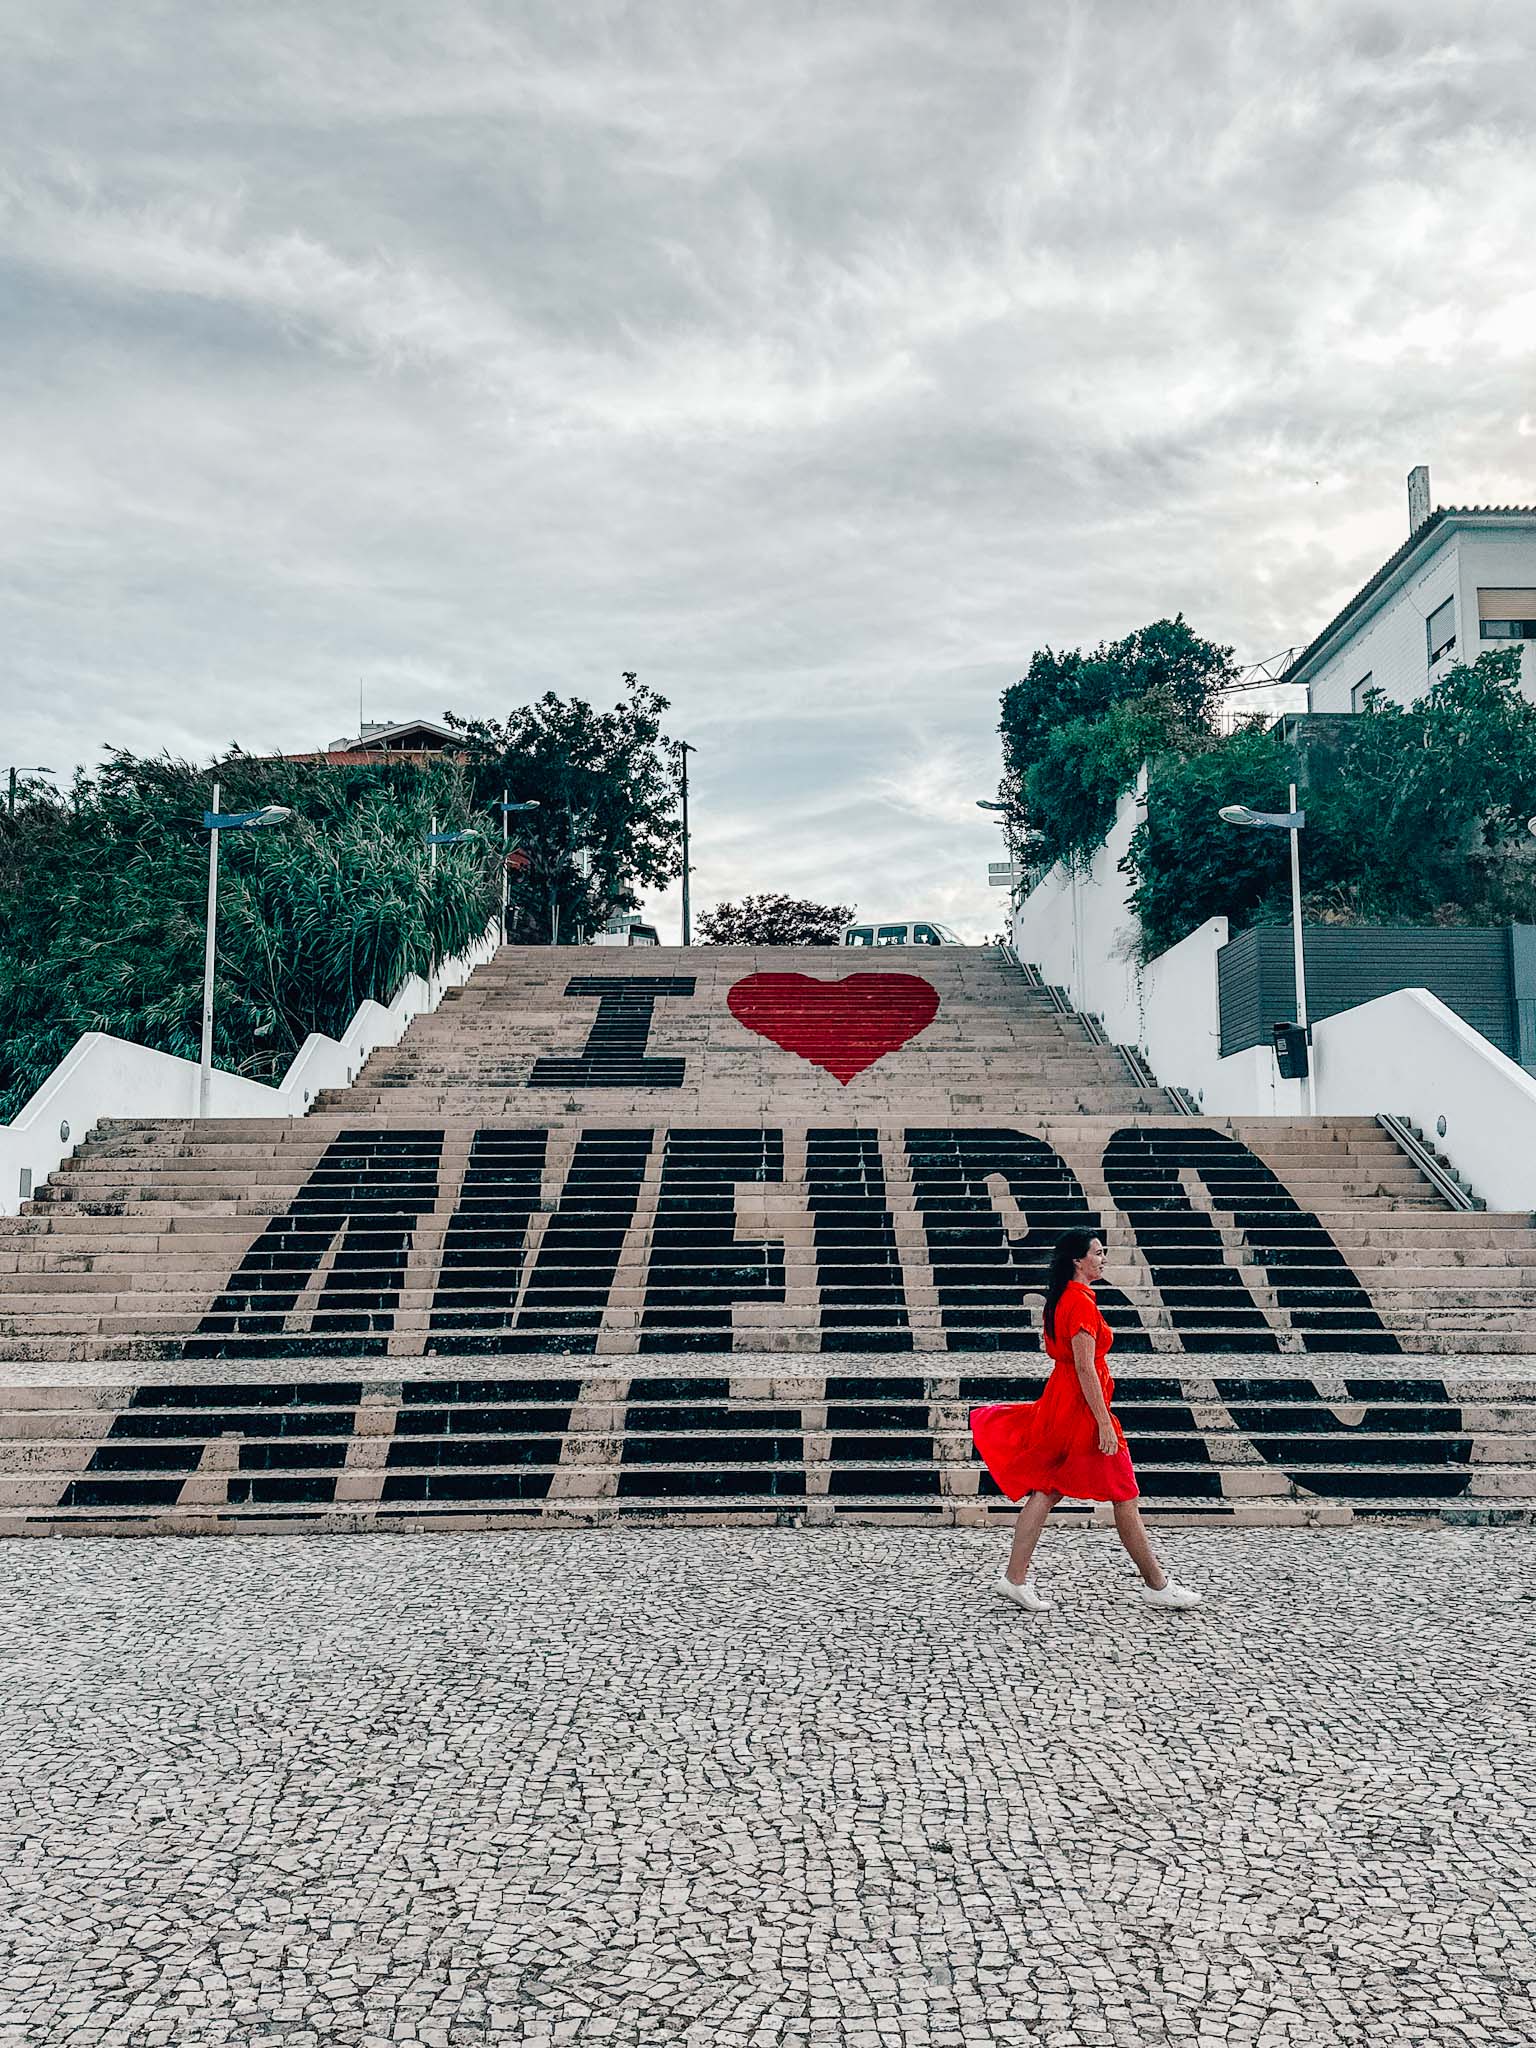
column 1087, row 765
column 774, row 921
column 103, row 900
column 1426, row 819
column 1184, row 863
column 1417, row 816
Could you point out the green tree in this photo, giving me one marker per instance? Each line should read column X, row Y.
column 103, row 895
column 1167, row 659
column 606, row 788
column 774, row 921
column 1087, row 765
column 1417, row 816
column 1426, row 818
column 1078, row 725
column 1185, row 865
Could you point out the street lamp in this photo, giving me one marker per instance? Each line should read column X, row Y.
column 508, row 809
column 215, row 822
column 1290, row 821
column 1006, row 821
column 435, row 839
column 15, row 772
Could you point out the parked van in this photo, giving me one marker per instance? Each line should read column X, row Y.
column 921, row 932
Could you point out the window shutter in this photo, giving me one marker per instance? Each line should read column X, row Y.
column 1506, row 604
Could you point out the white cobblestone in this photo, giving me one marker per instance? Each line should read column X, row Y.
column 790, row 1788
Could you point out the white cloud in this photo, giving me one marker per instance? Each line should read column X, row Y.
column 818, row 361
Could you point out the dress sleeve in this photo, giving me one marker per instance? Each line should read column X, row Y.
column 1074, row 1312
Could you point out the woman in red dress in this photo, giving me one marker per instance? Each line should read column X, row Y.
column 1068, row 1442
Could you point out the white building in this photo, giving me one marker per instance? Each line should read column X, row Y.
column 1462, row 582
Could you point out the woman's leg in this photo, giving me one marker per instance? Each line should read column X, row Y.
column 1132, row 1531
column 1033, row 1517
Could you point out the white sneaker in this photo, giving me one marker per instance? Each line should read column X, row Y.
column 1023, row 1596
column 1169, row 1595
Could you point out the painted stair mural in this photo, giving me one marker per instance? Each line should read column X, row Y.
column 743, row 1235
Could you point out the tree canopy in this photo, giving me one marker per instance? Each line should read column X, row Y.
column 605, row 784
column 774, row 921
column 1078, row 724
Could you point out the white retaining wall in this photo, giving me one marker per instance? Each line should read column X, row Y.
column 1409, row 1054
column 1080, row 931
column 101, row 1076
column 1405, row 1054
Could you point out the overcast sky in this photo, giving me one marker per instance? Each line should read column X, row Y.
column 817, row 361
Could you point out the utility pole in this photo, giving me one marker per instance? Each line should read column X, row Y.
column 683, row 751
column 205, row 1058
column 10, row 806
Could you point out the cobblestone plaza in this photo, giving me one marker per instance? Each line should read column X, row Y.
column 716, row 1785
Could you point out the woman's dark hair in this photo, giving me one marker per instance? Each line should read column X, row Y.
column 1069, row 1249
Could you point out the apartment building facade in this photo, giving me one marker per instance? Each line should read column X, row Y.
column 1463, row 581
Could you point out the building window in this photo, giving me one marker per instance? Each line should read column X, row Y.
column 1506, row 614
column 1441, row 628
column 1357, row 694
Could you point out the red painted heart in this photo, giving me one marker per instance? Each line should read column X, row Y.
column 843, row 1026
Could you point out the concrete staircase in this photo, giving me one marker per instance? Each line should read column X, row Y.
column 743, row 1235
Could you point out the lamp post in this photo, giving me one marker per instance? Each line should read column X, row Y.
column 1006, row 821
column 684, row 749
column 215, row 822
column 577, row 825
column 508, row 809
column 1290, row 821
column 10, row 807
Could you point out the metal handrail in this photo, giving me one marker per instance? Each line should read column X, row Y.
column 1441, row 1178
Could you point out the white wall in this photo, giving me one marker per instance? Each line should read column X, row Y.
column 1080, row 931
column 101, row 1076
column 1409, row 1055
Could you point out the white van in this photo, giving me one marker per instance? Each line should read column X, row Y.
column 922, row 932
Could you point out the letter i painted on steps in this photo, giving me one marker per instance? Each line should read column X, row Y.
column 614, row 1055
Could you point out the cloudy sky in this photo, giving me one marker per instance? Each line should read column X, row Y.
column 819, row 361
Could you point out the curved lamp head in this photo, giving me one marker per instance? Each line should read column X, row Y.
column 1274, row 821
column 270, row 814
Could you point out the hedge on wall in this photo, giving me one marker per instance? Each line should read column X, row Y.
column 1077, row 726
column 1418, row 815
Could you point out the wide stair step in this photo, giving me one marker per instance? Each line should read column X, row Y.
column 564, row 1442
column 584, row 1247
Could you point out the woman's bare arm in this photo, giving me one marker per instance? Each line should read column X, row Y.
column 1093, row 1393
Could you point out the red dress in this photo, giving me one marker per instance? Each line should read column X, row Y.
column 1052, row 1445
